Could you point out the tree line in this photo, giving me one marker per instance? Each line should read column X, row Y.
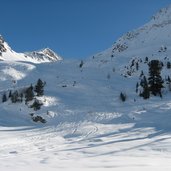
column 27, row 95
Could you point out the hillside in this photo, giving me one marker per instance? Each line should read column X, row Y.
column 86, row 124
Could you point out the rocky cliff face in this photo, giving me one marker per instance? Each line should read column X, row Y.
column 2, row 47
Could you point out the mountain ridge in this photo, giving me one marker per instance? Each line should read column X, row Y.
column 144, row 36
column 40, row 56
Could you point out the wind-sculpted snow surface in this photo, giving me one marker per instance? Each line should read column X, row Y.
column 83, row 123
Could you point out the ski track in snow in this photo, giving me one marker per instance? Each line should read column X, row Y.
column 105, row 134
column 88, row 127
column 95, row 144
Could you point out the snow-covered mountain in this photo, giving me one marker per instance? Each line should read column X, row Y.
column 153, row 35
column 90, row 110
column 44, row 55
column 41, row 56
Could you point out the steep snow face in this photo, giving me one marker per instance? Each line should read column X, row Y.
column 44, row 55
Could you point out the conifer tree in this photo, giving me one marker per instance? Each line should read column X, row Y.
column 146, row 92
column 36, row 105
column 81, row 64
column 169, row 83
column 137, row 66
column 123, row 97
column 39, row 88
column 4, row 98
column 29, row 94
column 142, row 73
column 146, row 59
column 21, row 97
column 168, row 65
column 10, row 94
column 155, row 80
column 14, row 97
column 137, row 85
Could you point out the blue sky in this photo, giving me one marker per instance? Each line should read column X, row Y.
column 72, row 28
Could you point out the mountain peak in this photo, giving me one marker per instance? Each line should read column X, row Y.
column 162, row 15
column 45, row 54
column 50, row 53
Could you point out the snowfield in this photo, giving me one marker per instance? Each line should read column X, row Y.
column 85, row 146
column 88, row 126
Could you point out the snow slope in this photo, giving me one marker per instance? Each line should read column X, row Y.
column 88, row 127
